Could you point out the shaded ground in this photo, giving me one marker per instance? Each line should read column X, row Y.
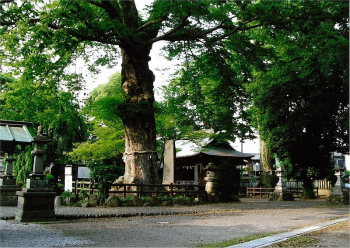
column 338, row 237
column 207, row 224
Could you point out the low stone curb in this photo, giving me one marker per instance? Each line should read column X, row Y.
column 118, row 215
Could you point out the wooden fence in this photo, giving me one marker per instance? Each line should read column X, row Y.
column 143, row 189
column 259, row 191
column 253, row 192
column 320, row 184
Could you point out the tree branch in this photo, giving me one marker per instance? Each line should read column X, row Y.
column 6, row 1
column 170, row 32
column 197, row 34
column 148, row 24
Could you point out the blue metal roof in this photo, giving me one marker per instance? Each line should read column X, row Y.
column 14, row 133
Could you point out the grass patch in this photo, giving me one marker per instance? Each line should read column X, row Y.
column 307, row 239
column 300, row 241
column 238, row 240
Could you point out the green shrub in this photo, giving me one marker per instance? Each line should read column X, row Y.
column 66, row 194
column 83, row 195
column 104, row 175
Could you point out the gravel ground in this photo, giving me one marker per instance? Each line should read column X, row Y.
column 175, row 227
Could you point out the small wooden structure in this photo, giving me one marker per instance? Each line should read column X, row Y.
column 189, row 169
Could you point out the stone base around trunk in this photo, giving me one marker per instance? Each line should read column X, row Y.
column 35, row 205
column 279, row 196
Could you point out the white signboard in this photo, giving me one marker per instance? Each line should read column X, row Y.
column 68, row 183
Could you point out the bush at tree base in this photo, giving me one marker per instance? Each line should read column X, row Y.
column 104, row 175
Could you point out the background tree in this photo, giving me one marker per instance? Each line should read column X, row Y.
column 301, row 100
column 55, row 110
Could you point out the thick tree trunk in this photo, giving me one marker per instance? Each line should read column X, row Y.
column 138, row 117
column 266, row 179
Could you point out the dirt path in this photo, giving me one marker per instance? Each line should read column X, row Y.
column 184, row 230
column 191, row 230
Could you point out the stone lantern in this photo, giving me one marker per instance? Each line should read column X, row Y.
column 281, row 187
column 280, row 192
column 36, row 179
column 36, row 202
column 339, row 194
column 210, row 177
column 8, row 178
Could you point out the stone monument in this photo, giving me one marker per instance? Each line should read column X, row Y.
column 36, row 202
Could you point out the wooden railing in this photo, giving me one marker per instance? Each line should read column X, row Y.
column 300, row 190
column 144, row 189
column 156, row 189
column 266, row 191
column 259, row 191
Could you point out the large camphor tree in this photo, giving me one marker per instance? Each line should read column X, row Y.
column 42, row 38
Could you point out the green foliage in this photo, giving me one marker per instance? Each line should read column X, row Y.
column 300, row 79
column 51, row 181
column 66, row 194
column 106, row 139
column 23, row 165
column 83, row 195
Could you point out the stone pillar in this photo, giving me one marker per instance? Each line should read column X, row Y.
column 36, row 202
column 169, row 162
column 8, row 185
